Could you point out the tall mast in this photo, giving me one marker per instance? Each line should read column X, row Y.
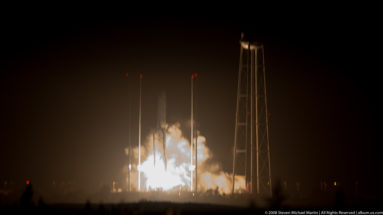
column 195, row 139
column 139, row 137
column 257, row 115
column 130, row 136
column 191, row 133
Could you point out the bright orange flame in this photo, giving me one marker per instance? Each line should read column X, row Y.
column 175, row 175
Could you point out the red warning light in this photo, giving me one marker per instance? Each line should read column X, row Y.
column 141, row 76
column 126, row 74
column 192, row 75
column 27, row 182
column 195, row 74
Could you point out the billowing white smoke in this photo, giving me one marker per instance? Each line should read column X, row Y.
column 176, row 174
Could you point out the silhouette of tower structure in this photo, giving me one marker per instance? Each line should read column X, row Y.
column 251, row 154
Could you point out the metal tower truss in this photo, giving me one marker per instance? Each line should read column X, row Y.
column 251, row 154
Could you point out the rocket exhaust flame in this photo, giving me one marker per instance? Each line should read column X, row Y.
column 175, row 174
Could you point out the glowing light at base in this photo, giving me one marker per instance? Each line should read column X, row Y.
column 175, row 174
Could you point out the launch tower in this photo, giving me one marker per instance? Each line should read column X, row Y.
column 251, row 154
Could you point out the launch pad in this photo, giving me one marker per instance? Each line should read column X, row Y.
column 168, row 161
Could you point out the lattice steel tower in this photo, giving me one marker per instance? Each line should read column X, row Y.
column 251, row 154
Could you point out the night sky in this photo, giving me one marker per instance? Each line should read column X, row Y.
column 65, row 97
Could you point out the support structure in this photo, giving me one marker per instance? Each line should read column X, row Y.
column 195, row 131
column 251, row 154
column 130, row 154
column 139, row 137
column 196, row 157
column 191, row 130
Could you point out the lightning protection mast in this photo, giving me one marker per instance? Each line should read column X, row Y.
column 251, row 154
column 139, row 136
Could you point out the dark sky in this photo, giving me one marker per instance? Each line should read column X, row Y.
column 65, row 99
